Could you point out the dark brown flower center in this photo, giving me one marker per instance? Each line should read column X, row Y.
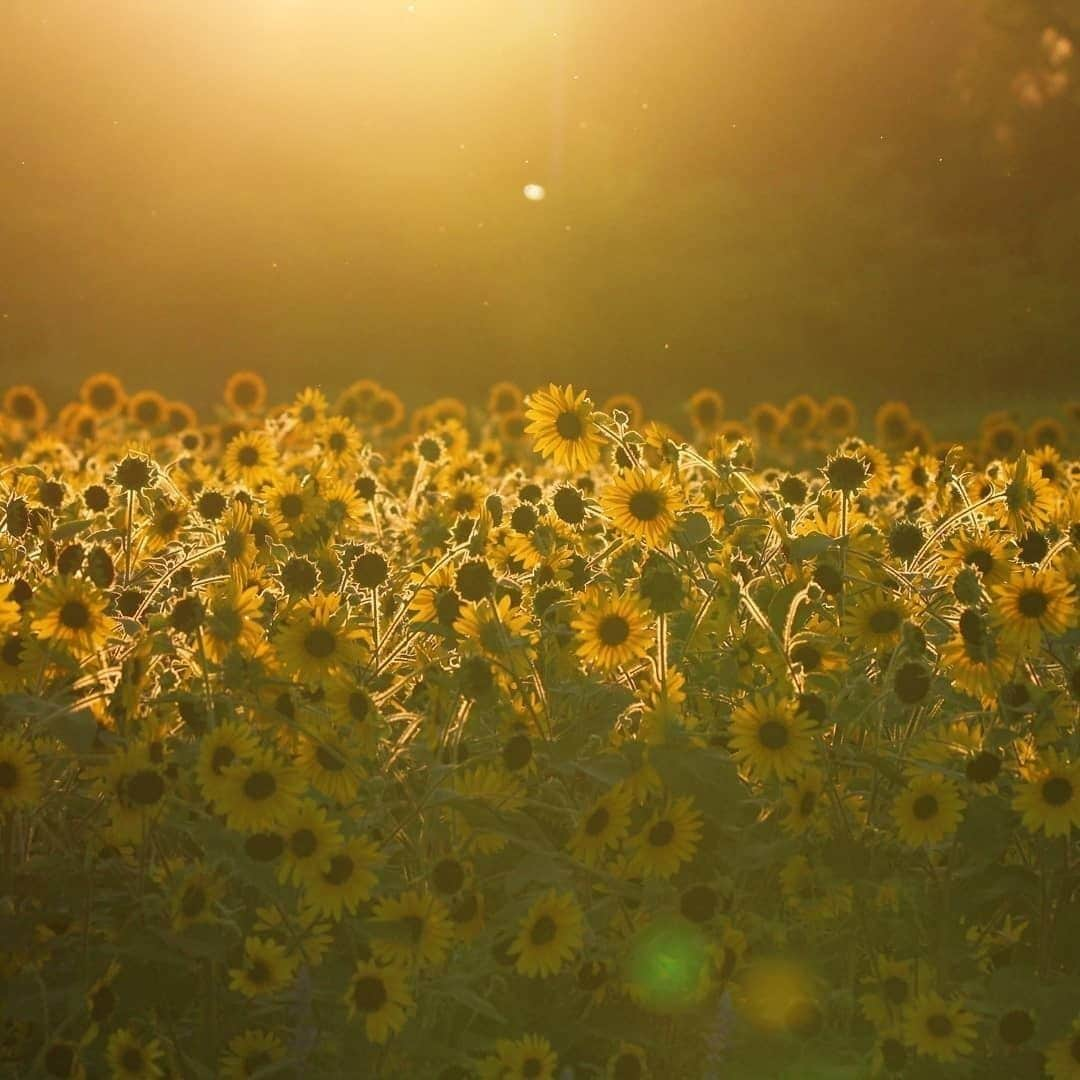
column 369, row 993
column 320, row 643
column 939, row 1025
column 613, row 630
column 773, row 735
column 543, row 930
column 884, row 621
column 1057, row 791
column 75, row 615
column 1032, row 603
column 645, row 505
column 303, row 843
column 662, row 833
column 341, row 869
column 569, row 426
column 925, row 807
column 260, row 786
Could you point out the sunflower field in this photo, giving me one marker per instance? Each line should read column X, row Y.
column 535, row 741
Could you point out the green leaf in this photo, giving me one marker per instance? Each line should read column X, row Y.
column 71, row 528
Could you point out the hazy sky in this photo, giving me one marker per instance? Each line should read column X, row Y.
column 327, row 190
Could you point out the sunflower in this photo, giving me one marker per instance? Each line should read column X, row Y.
column 245, row 392
column 1049, row 797
column 839, row 416
column 193, row 896
column 351, row 705
column 548, row 936
column 613, row 630
column 1030, row 499
column 235, row 529
column 71, row 611
column 643, row 503
column 1063, row 1056
column 1034, row 604
column 259, row 792
column 379, row 995
column 504, row 398
column 893, row 422
column 292, row 506
column 494, row 628
column 562, row 427
column 20, row 779
column 528, row 1058
column 232, row 622
column 23, row 403
column 329, row 759
column 984, row 553
column 316, row 643
column 147, row 408
column 103, row 394
column 226, row 744
column 874, row 620
column 267, row 967
column 422, row 929
column 604, row 825
column 250, row 459
column 927, row 810
column 706, row 409
column 311, row 840
column 346, row 881
column 802, row 797
column 340, row 439
column 772, row 736
column 668, row 839
column 249, row 1053
column 943, row 1030
column 132, row 1058
column 889, row 989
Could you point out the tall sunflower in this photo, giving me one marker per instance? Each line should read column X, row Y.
column 346, row 881
column 422, row 930
column 311, row 840
column 927, row 810
column 250, row 459
column 549, row 935
column 771, row 736
column 1034, row 604
column 71, row 611
column 602, row 826
column 613, row 631
column 668, row 839
column 1063, row 1056
column 1049, row 797
column 643, row 503
column 943, row 1030
column 874, row 620
column 132, row 1058
column 232, row 622
column 380, row 996
column 562, row 427
column 528, row 1058
column 267, row 967
column 20, row 774
column 249, row 1053
column 317, row 643
column 259, row 792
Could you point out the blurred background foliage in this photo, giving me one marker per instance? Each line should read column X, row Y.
column 769, row 197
